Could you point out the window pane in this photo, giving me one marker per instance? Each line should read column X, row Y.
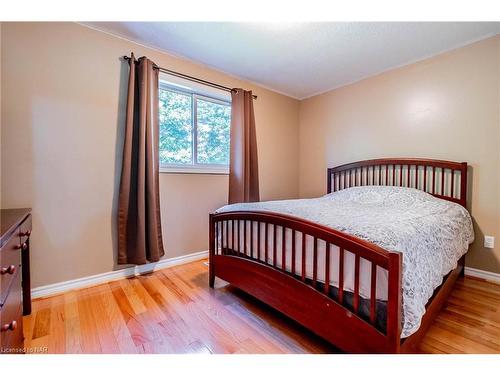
column 175, row 128
column 214, row 121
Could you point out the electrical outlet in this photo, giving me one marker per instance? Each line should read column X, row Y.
column 489, row 242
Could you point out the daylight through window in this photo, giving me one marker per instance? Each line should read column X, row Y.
column 194, row 131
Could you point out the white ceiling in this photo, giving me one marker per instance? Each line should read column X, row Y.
column 303, row 59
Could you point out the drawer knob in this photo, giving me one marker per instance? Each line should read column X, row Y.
column 9, row 327
column 24, row 246
column 8, row 270
column 27, row 233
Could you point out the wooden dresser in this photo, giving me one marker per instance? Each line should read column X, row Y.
column 15, row 285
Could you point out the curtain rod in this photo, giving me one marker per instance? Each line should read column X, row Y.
column 191, row 78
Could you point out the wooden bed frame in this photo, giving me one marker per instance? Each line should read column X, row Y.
column 300, row 298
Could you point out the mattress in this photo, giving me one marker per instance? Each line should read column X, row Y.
column 431, row 233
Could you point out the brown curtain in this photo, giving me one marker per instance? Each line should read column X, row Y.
column 243, row 165
column 139, row 224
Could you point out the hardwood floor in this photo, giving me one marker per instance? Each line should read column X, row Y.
column 174, row 311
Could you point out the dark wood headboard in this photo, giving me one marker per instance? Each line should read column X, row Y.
column 441, row 178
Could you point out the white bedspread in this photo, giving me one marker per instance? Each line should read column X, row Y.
column 431, row 233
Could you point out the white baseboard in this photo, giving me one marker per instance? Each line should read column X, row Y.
column 84, row 282
column 486, row 275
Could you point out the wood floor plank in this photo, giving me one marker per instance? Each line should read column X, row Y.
column 219, row 312
column 42, row 323
column 107, row 339
column 88, row 329
column 73, row 335
column 133, row 299
column 132, row 321
column 57, row 330
column 148, row 301
column 116, row 321
column 210, row 333
column 174, row 311
column 28, row 329
column 459, row 342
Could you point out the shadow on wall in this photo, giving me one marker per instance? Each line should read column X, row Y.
column 477, row 250
column 470, row 187
column 488, row 259
column 120, row 138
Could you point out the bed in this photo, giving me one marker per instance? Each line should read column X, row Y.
column 367, row 266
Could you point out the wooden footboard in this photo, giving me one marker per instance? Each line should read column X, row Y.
column 252, row 266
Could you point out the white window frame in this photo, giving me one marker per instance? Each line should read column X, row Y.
column 195, row 167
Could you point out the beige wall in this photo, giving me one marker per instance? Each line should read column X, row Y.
column 63, row 99
column 446, row 107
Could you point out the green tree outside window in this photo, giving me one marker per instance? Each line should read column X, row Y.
column 179, row 125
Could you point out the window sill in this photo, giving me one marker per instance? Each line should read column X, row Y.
column 194, row 170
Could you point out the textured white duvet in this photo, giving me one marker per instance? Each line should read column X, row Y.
column 431, row 233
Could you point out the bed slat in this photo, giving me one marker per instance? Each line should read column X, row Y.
column 452, row 188
column 233, row 235
column 227, row 234
column 275, row 229
column 442, row 181
column 327, row 268
column 217, row 236
column 315, row 261
column 266, row 243
column 433, row 179
column 373, row 293
column 258, row 240
column 245, row 237
column 239, row 240
column 283, row 248
column 303, row 257
column 425, row 178
column 356, row 284
column 341, row 276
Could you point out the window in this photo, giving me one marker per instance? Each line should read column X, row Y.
column 194, row 132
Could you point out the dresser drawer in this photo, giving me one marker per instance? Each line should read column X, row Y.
column 25, row 229
column 10, row 261
column 11, row 320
